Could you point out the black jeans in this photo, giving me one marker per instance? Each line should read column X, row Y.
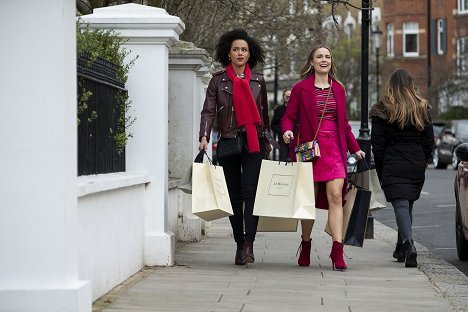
column 241, row 173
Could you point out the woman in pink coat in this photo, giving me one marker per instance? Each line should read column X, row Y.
column 310, row 98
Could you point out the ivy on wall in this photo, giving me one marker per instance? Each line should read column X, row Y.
column 107, row 44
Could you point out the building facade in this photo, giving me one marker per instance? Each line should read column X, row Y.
column 427, row 39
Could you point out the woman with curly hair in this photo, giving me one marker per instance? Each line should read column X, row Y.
column 402, row 140
column 236, row 98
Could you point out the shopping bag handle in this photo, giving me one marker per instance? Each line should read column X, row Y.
column 199, row 157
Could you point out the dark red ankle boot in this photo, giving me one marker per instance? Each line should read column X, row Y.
column 336, row 256
column 304, row 257
column 239, row 260
column 248, row 252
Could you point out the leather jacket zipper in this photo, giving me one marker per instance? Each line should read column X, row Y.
column 232, row 114
column 206, row 127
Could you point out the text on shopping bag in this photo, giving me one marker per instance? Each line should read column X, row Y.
column 280, row 185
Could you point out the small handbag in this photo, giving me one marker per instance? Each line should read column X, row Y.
column 309, row 151
column 229, row 147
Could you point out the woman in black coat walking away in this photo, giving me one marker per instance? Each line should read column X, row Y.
column 402, row 140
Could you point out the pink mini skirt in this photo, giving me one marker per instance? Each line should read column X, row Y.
column 330, row 165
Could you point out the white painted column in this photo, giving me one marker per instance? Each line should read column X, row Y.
column 186, row 65
column 186, row 93
column 38, row 153
column 150, row 32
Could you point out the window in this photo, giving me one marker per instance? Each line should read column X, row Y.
column 442, row 36
column 410, row 39
column 439, row 36
column 292, row 7
column 390, row 40
column 462, row 6
column 462, row 56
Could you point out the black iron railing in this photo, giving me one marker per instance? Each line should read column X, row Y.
column 98, row 118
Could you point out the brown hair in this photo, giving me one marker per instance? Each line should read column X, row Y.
column 403, row 103
column 308, row 69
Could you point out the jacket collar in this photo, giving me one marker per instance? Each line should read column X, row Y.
column 255, row 83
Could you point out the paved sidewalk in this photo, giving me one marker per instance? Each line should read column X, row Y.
column 206, row 279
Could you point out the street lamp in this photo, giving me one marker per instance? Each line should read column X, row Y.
column 364, row 137
column 377, row 38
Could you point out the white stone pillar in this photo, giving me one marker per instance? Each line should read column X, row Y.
column 38, row 214
column 186, row 92
column 150, row 32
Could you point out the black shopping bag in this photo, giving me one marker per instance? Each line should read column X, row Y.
column 356, row 229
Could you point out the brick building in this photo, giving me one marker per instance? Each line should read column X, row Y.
column 428, row 39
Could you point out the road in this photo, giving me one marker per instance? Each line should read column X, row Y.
column 433, row 217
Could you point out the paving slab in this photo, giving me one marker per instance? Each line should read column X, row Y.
column 206, row 279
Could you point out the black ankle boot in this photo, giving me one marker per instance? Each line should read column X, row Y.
column 410, row 254
column 239, row 260
column 248, row 252
column 399, row 252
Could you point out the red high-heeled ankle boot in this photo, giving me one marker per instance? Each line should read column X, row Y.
column 304, row 257
column 336, row 256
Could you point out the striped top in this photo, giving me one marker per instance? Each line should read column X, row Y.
column 321, row 97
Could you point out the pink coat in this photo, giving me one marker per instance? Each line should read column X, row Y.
column 302, row 105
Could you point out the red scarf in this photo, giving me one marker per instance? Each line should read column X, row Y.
column 244, row 104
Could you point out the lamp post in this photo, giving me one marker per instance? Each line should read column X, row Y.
column 364, row 137
column 377, row 38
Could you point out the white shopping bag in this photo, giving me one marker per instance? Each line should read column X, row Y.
column 210, row 197
column 285, row 190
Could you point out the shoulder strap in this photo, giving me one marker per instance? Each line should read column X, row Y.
column 324, row 108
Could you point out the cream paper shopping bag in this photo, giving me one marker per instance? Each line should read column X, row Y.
column 378, row 200
column 285, row 190
column 210, row 197
column 368, row 180
column 271, row 224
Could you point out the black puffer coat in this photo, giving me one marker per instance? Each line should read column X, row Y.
column 400, row 155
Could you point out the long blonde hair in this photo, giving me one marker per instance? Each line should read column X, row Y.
column 403, row 103
column 308, row 69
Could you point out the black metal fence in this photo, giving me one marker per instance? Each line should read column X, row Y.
column 97, row 152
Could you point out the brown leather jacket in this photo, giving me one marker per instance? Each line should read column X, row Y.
column 218, row 103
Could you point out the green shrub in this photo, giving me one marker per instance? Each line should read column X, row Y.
column 455, row 112
column 107, row 44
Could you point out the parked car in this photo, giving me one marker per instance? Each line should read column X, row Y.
column 451, row 135
column 437, row 126
column 352, row 161
column 461, row 199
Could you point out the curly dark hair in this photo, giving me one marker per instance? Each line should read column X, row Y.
column 224, row 46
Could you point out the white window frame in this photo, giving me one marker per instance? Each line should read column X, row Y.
column 462, row 6
column 408, row 30
column 440, row 36
column 462, row 56
column 390, row 40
